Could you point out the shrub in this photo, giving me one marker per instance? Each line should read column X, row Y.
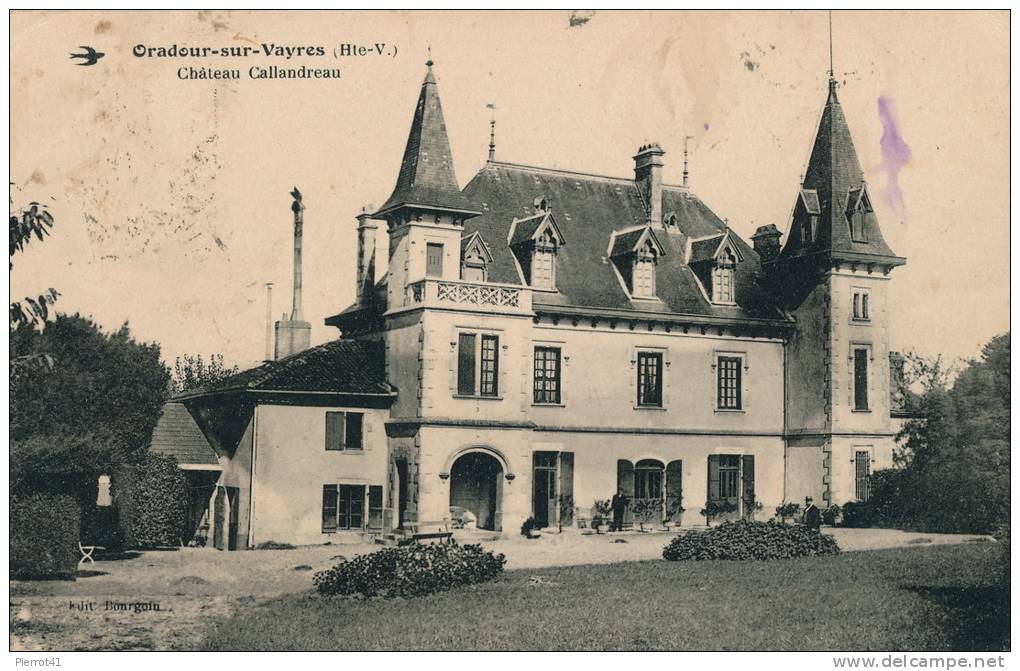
column 412, row 571
column 750, row 540
column 274, row 545
column 715, row 509
column 601, row 512
column 44, row 537
column 530, row 524
column 646, row 509
column 152, row 499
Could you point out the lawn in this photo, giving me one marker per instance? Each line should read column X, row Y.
column 918, row 598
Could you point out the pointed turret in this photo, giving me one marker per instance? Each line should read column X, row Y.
column 833, row 215
column 427, row 180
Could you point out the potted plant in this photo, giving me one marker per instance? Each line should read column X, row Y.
column 530, row 528
column 600, row 515
column 645, row 509
column 831, row 515
column 714, row 509
column 787, row 511
column 674, row 511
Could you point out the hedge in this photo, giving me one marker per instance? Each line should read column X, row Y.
column 750, row 540
column 152, row 500
column 44, row 537
column 411, row 571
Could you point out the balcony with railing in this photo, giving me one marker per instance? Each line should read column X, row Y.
column 478, row 297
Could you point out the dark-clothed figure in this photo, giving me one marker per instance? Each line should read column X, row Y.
column 812, row 516
column 619, row 505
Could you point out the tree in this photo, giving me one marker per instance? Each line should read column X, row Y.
column 192, row 371
column 106, row 388
column 26, row 223
column 954, row 456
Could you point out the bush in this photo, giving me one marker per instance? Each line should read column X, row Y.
column 788, row 510
column 44, row 537
column 152, row 499
column 274, row 545
column 412, row 571
column 750, row 540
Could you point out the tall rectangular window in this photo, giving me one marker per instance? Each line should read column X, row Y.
column 489, row 382
column 861, row 378
column 433, row 260
column 861, row 310
column 344, row 431
column 728, row 384
column 649, row 382
column 547, row 375
column 862, row 462
column 466, row 364
column 644, row 279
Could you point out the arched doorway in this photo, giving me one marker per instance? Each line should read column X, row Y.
column 476, row 483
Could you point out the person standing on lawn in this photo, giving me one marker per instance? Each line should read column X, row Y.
column 812, row 516
column 619, row 506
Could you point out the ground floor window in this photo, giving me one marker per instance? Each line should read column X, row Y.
column 731, row 482
column 343, row 507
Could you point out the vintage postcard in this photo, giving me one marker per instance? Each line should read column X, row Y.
column 511, row 331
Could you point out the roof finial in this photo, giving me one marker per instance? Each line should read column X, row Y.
column 686, row 138
column 832, row 71
column 492, row 132
column 428, row 48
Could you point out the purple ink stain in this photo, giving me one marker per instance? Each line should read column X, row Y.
column 895, row 154
column 706, row 126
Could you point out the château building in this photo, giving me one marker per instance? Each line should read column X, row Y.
column 542, row 339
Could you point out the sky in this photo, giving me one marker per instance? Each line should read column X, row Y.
column 171, row 197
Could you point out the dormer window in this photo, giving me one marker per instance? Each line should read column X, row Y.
column 535, row 242
column 722, row 278
column 635, row 252
column 807, row 214
column 543, row 262
column 541, row 204
column 670, row 220
column 475, row 258
column 714, row 261
column 858, row 206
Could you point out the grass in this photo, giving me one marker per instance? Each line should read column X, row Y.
column 931, row 598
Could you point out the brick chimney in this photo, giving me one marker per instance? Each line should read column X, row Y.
column 648, row 177
column 366, row 257
column 766, row 242
column 295, row 334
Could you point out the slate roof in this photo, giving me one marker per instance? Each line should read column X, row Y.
column 341, row 367
column 426, row 174
column 833, row 170
column 177, row 435
column 587, row 209
column 706, row 248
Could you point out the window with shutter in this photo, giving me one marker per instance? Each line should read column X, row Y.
column 375, row 507
column 713, row 477
column 329, row 509
column 335, row 430
column 466, row 364
column 433, row 259
column 747, row 482
column 861, row 378
column 674, row 489
column 625, row 483
column 567, row 487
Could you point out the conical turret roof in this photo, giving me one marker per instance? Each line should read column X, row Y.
column 427, row 178
column 833, row 190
